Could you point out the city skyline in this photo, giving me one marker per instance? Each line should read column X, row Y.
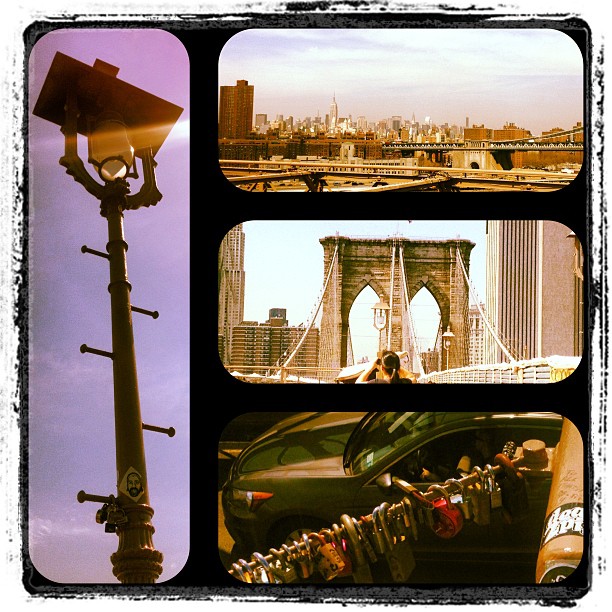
column 450, row 75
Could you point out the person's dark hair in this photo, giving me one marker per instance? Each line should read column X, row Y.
column 390, row 362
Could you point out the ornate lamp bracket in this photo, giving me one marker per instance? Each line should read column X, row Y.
column 71, row 160
column 148, row 195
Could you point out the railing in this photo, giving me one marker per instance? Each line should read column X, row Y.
column 532, row 371
column 282, row 374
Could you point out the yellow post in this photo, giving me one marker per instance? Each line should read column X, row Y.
column 563, row 533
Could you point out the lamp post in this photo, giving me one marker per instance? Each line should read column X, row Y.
column 381, row 310
column 381, row 316
column 121, row 123
column 447, row 338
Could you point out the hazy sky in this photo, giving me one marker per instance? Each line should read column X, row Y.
column 71, row 421
column 532, row 77
column 291, row 250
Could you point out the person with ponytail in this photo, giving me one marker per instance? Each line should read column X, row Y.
column 390, row 368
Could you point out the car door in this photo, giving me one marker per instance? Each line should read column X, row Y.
column 437, row 459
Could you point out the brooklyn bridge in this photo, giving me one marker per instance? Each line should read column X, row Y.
column 396, row 269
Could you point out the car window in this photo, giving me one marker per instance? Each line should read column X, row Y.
column 453, row 454
column 297, row 448
column 386, row 432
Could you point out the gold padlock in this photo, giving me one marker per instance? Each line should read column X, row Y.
column 327, row 560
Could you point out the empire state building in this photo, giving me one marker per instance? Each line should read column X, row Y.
column 333, row 115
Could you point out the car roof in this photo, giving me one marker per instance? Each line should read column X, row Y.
column 303, row 421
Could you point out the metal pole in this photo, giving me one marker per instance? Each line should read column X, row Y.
column 136, row 560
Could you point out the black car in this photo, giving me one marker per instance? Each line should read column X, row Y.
column 304, row 474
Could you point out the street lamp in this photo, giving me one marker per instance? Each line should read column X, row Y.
column 122, row 123
column 381, row 310
column 447, row 338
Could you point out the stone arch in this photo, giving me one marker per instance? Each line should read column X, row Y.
column 442, row 299
column 367, row 261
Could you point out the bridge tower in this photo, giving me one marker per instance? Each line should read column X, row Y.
column 480, row 157
column 363, row 262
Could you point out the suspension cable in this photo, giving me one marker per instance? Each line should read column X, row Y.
column 316, row 311
column 391, row 292
column 415, row 348
column 485, row 318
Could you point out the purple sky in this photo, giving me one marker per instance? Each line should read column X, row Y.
column 71, row 422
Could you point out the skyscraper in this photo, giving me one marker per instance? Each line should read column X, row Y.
column 236, row 110
column 477, row 333
column 333, row 115
column 534, row 295
column 231, row 289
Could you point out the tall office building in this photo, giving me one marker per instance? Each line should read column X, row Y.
column 333, row 115
column 534, row 289
column 236, row 110
column 477, row 335
column 231, row 289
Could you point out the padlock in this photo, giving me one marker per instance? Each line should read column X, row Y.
column 304, row 565
column 398, row 554
column 424, row 510
column 513, row 486
column 326, row 558
column 282, row 568
column 494, row 489
column 239, row 573
column 111, row 516
column 461, row 498
column 340, row 545
column 448, row 518
column 364, row 534
column 379, row 538
column 481, row 502
column 116, row 515
column 409, row 513
column 247, row 570
column 398, row 523
column 102, row 514
column 361, row 570
column 263, row 569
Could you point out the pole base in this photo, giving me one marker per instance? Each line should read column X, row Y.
column 139, row 566
column 136, row 560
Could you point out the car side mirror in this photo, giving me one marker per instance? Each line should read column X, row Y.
column 384, row 482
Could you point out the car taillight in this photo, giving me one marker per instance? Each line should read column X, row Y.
column 251, row 499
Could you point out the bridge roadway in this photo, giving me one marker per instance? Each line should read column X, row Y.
column 318, row 176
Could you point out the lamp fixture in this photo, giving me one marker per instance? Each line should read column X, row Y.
column 381, row 310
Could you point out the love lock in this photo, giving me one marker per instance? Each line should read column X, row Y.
column 447, row 517
column 328, row 561
column 398, row 553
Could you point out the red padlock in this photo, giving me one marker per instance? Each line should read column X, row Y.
column 447, row 518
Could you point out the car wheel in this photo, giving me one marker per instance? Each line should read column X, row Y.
column 290, row 530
